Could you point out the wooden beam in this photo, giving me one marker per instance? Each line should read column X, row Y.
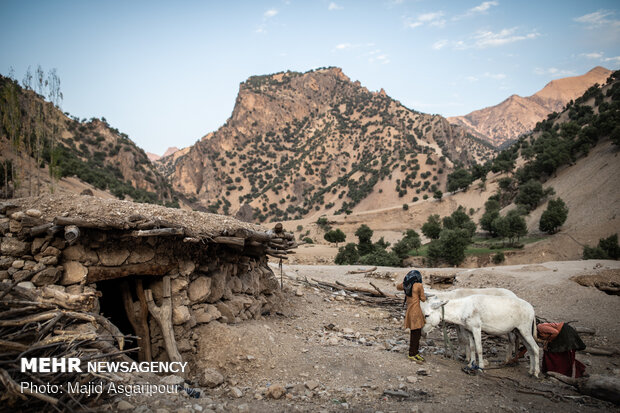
column 236, row 241
column 158, row 232
column 101, row 273
column 40, row 229
column 82, row 223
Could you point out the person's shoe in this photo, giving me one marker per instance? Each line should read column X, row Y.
column 419, row 358
column 415, row 358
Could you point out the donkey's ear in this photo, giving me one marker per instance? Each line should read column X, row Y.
column 438, row 304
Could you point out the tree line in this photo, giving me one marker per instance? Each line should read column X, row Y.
column 30, row 127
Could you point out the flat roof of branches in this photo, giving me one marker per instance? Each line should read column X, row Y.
column 146, row 220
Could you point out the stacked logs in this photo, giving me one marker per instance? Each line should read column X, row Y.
column 50, row 323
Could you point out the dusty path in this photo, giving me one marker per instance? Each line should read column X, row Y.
column 546, row 286
column 333, row 353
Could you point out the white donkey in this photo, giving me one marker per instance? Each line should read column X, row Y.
column 512, row 348
column 491, row 314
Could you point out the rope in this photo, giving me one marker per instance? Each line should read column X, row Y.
column 446, row 342
column 281, row 274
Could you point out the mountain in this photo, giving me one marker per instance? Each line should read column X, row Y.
column 574, row 152
column 154, row 157
column 170, row 151
column 305, row 144
column 518, row 115
column 84, row 154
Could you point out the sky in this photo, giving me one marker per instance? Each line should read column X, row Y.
column 167, row 73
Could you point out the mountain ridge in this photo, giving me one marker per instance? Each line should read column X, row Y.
column 317, row 141
column 517, row 115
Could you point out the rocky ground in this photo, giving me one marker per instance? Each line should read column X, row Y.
column 328, row 352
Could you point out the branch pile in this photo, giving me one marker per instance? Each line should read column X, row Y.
column 374, row 296
column 50, row 323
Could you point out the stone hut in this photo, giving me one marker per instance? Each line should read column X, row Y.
column 154, row 272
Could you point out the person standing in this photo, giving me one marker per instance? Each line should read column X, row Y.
column 414, row 318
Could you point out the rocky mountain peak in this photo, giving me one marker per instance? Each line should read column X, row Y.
column 517, row 115
column 298, row 144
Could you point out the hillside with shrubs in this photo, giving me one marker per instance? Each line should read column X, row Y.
column 41, row 146
column 304, row 144
column 551, row 195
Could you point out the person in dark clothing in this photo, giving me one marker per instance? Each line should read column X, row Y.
column 560, row 342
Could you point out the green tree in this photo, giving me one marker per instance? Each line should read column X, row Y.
column 479, row 172
column 380, row 256
column 512, row 226
column 607, row 248
column 381, row 244
column 554, row 216
column 530, row 194
column 460, row 220
column 610, row 246
column 505, row 183
column 364, row 234
column 411, row 241
column 437, row 195
column 55, row 97
column 432, row 227
column 505, row 161
column 499, row 258
column 459, row 179
column 594, row 253
column 450, row 247
column 347, row 255
column 323, row 223
column 491, row 213
column 615, row 136
column 335, row 236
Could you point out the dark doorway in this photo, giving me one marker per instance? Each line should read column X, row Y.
column 112, row 307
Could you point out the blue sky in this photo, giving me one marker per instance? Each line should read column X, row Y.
column 167, row 73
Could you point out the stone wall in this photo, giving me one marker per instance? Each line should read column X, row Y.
column 210, row 282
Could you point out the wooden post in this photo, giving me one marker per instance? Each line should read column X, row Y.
column 163, row 315
column 143, row 315
column 137, row 317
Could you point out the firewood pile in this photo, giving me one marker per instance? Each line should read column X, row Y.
column 373, row 296
column 442, row 279
column 50, row 323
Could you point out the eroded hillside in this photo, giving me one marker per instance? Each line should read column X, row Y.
column 300, row 145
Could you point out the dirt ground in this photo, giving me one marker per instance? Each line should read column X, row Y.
column 333, row 353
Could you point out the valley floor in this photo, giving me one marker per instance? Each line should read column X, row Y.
column 333, row 353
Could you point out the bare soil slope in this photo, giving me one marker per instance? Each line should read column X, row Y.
column 590, row 189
